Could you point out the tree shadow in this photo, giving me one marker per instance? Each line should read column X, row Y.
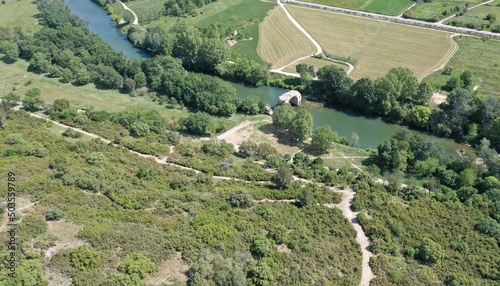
column 282, row 136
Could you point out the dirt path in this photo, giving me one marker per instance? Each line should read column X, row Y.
column 344, row 205
column 445, row 62
column 319, row 50
column 136, row 19
column 18, row 212
column 237, row 134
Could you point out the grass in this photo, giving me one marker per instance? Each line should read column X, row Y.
column 345, row 156
column 481, row 58
column 377, row 46
column 14, row 77
column 477, row 16
column 433, row 11
column 19, row 14
column 280, row 41
column 319, row 63
column 391, row 7
column 244, row 15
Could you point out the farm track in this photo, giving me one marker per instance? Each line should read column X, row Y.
column 448, row 58
column 319, row 50
column 345, row 205
column 136, row 19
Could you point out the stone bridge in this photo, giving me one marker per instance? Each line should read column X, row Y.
column 292, row 96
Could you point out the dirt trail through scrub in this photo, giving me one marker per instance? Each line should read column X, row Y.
column 345, row 205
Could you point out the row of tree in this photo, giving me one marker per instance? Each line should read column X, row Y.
column 400, row 98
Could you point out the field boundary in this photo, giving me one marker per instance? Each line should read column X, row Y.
column 448, row 58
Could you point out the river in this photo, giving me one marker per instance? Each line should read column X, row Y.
column 371, row 131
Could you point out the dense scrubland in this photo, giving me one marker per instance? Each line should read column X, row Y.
column 132, row 215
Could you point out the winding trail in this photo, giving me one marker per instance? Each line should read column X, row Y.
column 18, row 213
column 448, row 58
column 319, row 50
column 136, row 19
column 344, row 205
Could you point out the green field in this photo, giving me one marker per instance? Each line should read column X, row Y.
column 244, row 15
column 477, row 17
column 481, row 58
column 15, row 77
column 391, row 7
column 19, row 14
column 434, row 11
column 376, row 46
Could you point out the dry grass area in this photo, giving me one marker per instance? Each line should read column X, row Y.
column 376, row 45
column 170, row 272
column 319, row 63
column 280, row 41
column 66, row 233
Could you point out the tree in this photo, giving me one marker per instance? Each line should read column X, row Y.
column 61, row 104
column 248, row 148
column 82, row 77
column 213, row 269
column 129, row 85
column 128, row 16
column 137, row 263
column 33, row 100
column 283, row 177
column 332, row 85
column 302, row 125
column 29, row 273
column 453, row 83
column 420, row 115
column 262, row 247
column 322, row 139
column 7, row 102
column 83, row 258
column 11, row 51
column 363, row 92
column 430, row 251
column 354, row 140
column 199, row 123
column 122, row 280
column 466, row 78
column 139, row 129
column 241, row 199
column 283, row 116
column 54, row 214
column 39, row 63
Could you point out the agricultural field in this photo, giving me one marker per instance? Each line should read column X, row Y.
column 15, row 77
column 319, row 63
column 392, row 7
column 19, row 14
column 376, row 46
column 481, row 58
column 280, row 42
column 477, row 18
column 438, row 9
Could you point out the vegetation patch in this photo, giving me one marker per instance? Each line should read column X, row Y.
column 486, row 17
column 280, row 42
column 315, row 62
column 392, row 7
column 377, row 46
column 436, row 10
column 470, row 57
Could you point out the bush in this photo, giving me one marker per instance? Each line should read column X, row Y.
column 96, row 158
column 83, row 258
column 137, row 263
column 15, row 138
column 54, row 214
column 241, row 199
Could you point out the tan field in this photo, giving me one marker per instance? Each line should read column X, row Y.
column 377, row 46
column 280, row 42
